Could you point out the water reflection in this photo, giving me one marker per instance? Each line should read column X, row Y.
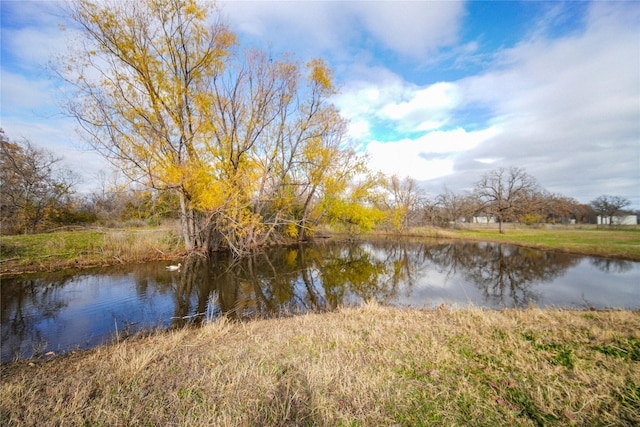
column 70, row 309
column 612, row 265
column 504, row 274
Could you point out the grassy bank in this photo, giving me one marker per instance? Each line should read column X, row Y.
column 359, row 366
column 51, row 251
column 621, row 243
column 88, row 247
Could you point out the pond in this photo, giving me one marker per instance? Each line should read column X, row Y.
column 79, row 309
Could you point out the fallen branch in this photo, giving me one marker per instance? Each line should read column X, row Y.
column 188, row 317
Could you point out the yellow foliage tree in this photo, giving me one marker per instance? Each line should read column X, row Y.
column 251, row 144
column 142, row 78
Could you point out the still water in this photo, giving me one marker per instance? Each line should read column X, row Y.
column 79, row 309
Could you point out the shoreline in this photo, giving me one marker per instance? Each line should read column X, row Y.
column 105, row 247
column 370, row 365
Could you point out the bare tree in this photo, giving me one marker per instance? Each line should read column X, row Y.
column 32, row 186
column 404, row 197
column 506, row 193
column 455, row 206
column 609, row 206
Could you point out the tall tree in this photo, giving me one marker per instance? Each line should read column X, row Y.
column 609, row 206
column 33, row 185
column 506, row 193
column 142, row 77
column 250, row 144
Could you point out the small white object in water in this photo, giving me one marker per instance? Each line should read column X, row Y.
column 173, row 267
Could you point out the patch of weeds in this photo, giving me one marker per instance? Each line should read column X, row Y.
column 417, row 409
column 629, row 398
column 529, row 336
column 562, row 356
column 190, row 394
column 466, row 352
column 513, row 398
column 622, row 348
column 499, row 334
column 484, row 360
column 415, row 372
column 10, row 250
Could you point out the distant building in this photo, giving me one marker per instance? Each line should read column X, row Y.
column 618, row 220
column 484, row 220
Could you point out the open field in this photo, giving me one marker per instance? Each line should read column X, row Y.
column 357, row 366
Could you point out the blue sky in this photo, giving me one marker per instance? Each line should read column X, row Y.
column 442, row 91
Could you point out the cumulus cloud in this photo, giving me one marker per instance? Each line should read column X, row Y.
column 564, row 107
column 428, row 157
column 411, row 28
column 21, row 94
column 407, row 28
column 427, row 108
column 568, row 107
column 383, row 99
column 29, row 106
column 562, row 104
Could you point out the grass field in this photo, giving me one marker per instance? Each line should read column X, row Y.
column 354, row 367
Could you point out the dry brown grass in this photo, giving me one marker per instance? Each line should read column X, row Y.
column 358, row 366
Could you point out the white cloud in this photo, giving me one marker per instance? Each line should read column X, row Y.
column 20, row 93
column 383, row 98
column 38, row 36
column 58, row 136
column 427, row 157
column 568, row 107
column 565, row 108
column 426, row 109
column 411, row 28
column 407, row 28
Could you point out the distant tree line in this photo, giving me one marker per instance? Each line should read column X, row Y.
column 38, row 194
column 35, row 191
column 503, row 195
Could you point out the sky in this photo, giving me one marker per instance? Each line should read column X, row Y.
column 440, row 91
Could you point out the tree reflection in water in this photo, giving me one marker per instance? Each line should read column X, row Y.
column 322, row 277
column 609, row 265
column 503, row 273
column 280, row 281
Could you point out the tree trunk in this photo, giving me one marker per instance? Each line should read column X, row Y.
column 189, row 226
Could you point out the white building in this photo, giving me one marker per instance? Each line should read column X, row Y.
column 618, row 220
column 484, row 219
